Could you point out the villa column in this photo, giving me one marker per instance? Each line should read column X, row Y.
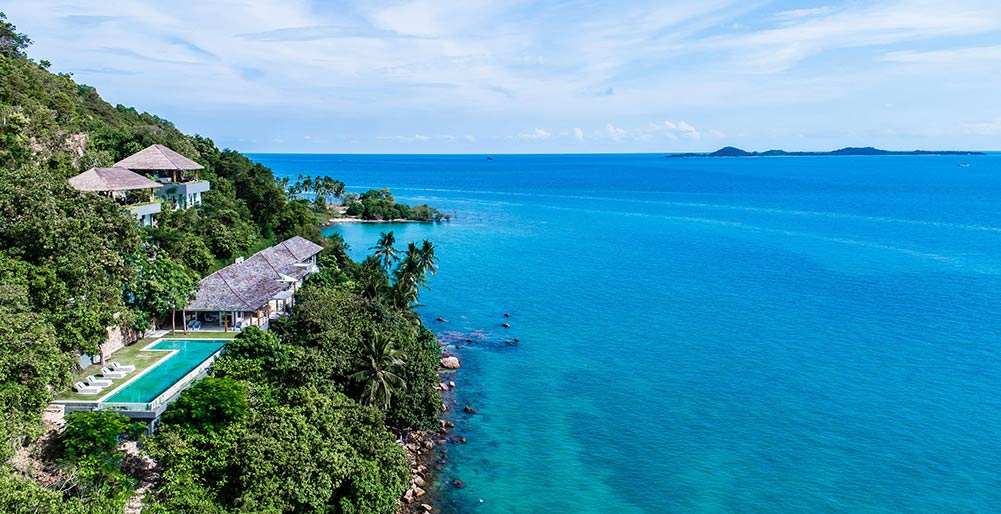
column 184, row 319
column 173, row 321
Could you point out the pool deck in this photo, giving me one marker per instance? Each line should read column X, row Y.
column 138, row 354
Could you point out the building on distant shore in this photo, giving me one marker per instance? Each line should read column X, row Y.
column 253, row 291
column 132, row 191
column 182, row 187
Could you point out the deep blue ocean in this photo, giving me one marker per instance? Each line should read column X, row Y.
column 746, row 335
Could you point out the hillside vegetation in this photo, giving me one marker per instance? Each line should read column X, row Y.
column 291, row 421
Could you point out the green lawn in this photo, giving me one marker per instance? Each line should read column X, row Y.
column 132, row 354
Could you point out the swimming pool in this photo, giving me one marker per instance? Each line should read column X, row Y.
column 189, row 354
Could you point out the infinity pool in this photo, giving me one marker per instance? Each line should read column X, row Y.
column 190, row 353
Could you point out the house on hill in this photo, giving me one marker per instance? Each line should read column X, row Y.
column 132, row 191
column 182, row 187
column 253, row 291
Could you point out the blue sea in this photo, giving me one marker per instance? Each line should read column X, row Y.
column 746, row 335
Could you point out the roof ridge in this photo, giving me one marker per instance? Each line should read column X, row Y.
column 232, row 290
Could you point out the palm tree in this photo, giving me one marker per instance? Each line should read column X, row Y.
column 384, row 250
column 427, row 260
column 409, row 276
column 377, row 369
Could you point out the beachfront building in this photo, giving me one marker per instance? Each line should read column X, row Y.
column 252, row 291
column 179, row 175
column 132, row 191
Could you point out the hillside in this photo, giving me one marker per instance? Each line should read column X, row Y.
column 73, row 264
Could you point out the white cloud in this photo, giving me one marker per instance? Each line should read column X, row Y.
column 416, row 138
column 806, row 33
column 615, row 133
column 345, row 74
column 675, row 130
column 535, row 135
column 987, row 128
column 797, row 14
column 952, row 56
column 578, row 134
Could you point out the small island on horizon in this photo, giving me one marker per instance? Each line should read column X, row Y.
column 730, row 151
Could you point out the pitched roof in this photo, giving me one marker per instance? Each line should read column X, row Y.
column 111, row 179
column 249, row 285
column 158, row 157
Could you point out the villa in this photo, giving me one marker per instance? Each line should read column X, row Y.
column 182, row 187
column 249, row 292
column 132, row 191
column 176, row 183
column 252, row 291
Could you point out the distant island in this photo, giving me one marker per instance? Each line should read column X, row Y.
column 730, row 151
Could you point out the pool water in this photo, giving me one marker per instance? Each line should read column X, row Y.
column 190, row 353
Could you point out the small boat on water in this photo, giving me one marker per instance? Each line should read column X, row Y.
column 964, row 165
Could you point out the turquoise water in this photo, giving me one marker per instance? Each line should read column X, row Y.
column 190, row 353
column 801, row 334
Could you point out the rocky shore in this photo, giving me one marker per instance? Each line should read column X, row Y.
column 426, row 450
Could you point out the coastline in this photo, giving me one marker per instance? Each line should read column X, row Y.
column 427, row 450
column 338, row 221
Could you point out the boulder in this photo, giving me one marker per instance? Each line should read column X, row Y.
column 451, row 384
column 507, row 314
column 450, row 362
column 459, row 484
column 418, row 492
column 506, row 325
column 426, row 507
column 469, row 410
column 418, row 481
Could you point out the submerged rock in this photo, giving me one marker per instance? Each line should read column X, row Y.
column 459, row 484
column 441, row 319
column 469, row 410
column 506, row 325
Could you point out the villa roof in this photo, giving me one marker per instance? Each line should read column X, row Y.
column 158, row 157
column 250, row 284
column 111, row 179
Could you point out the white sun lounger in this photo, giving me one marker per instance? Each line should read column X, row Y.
column 86, row 389
column 97, row 382
column 119, row 367
column 107, row 373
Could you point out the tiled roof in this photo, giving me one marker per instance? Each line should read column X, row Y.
column 111, row 179
column 249, row 285
column 158, row 157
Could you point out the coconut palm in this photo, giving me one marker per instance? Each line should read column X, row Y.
column 378, row 369
column 384, row 250
column 426, row 258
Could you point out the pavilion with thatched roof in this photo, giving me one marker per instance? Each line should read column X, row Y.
column 180, row 173
column 252, row 291
column 125, row 187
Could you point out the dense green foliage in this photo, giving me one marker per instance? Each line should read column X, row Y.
column 294, row 420
column 300, row 419
column 380, row 205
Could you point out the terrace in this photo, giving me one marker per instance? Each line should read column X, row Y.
column 164, row 368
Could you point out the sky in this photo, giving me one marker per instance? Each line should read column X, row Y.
column 564, row 76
